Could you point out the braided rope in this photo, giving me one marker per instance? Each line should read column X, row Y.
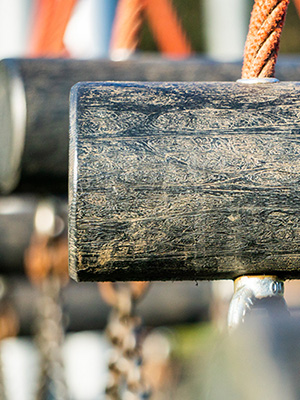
column 49, row 25
column 262, row 44
column 126, row 28
column 163, row 20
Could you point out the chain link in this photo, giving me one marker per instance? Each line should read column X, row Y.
column 46, row 263
column 49, row 339
column 9, row 326
column 2, row 384
column 125, row 379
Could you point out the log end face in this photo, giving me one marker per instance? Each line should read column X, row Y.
column 72, row 232
column 12, row 122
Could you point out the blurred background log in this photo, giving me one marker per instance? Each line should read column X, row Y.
column 34, row 101
column 165, row 304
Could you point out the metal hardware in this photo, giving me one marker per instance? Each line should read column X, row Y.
column 249, row 289
column 251, row 81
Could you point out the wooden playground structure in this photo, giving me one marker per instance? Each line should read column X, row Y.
column 176, row 168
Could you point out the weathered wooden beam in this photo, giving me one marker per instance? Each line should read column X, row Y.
column 34, row 104
column 184, row 181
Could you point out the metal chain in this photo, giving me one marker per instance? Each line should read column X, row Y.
column 2, row 384
column 9, row 326
column 125, row 376
column 49, row 339
column 46, row 263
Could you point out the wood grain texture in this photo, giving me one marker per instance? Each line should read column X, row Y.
column 184, row 180
column 43, row 164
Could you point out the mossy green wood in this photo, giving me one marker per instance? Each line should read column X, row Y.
column 174, row 181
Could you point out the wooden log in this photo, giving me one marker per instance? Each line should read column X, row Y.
column 35, row 105
column 16, row 228
column 34, row 101
column 17, row 214
column 184, row 181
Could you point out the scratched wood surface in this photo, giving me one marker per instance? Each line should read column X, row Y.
column 184, row 180
column 34, row 151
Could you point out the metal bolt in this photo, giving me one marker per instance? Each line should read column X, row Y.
column 277, row 287
column 274, row 287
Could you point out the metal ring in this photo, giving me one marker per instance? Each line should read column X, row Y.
column 255, row 81
column 248, row 289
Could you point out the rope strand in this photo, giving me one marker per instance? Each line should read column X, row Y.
column 167, row 29
column 163, row 20
column 262, row 44
column 126, row 28
column 49, row 26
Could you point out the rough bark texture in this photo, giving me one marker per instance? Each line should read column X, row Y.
column 184, row 181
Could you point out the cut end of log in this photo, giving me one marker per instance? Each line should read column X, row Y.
column 12, row 122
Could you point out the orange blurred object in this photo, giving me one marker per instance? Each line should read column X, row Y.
column 163, row 21
column 297, row 5
column 110, row 291
column 167, row 29
column 43, row 258
column 51, row 19
column 126, row 28
column 9, row 322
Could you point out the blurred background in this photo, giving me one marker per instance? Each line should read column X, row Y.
column 214, row 28
column 182, row 321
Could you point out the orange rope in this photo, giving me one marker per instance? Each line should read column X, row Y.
column 43, row 258
column 297, row 5
column 167, row 29
column 126, row 28
column 42, row 15
column 262, row 44
column 110, row 292
column 163, row 20
column 52, row 17
column 59, row 22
